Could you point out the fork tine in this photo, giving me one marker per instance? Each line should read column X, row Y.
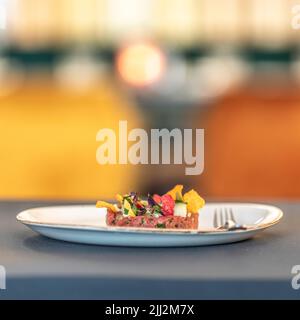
column 221, row 217
column 231, row 215
column 215, row 222
column 227, row 217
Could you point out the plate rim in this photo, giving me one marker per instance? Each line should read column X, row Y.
column 135, row 230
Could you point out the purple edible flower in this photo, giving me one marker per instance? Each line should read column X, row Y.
column 151, row 201
column 134, row 196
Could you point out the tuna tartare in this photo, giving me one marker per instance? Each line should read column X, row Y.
column 169, row 211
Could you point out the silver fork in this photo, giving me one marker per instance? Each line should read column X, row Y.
column 224, row 220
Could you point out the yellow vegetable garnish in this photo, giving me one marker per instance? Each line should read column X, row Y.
column 176, row 192
column 103, row 204
column 144, row 202
column 119, row 198
column 127, row 206
column 194, row 201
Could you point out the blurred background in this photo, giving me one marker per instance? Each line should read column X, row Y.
column 71, row 67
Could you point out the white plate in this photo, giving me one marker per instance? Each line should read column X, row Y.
column 86, row 224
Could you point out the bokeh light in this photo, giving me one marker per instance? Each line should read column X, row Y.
column 140, row 63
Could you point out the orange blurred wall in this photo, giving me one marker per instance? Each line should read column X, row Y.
column 253, row 144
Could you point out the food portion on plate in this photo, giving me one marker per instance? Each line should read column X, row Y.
column 172, row 210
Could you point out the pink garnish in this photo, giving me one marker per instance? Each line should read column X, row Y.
column 167, row 204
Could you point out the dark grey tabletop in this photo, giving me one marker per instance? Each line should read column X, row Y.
column 41, row 268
